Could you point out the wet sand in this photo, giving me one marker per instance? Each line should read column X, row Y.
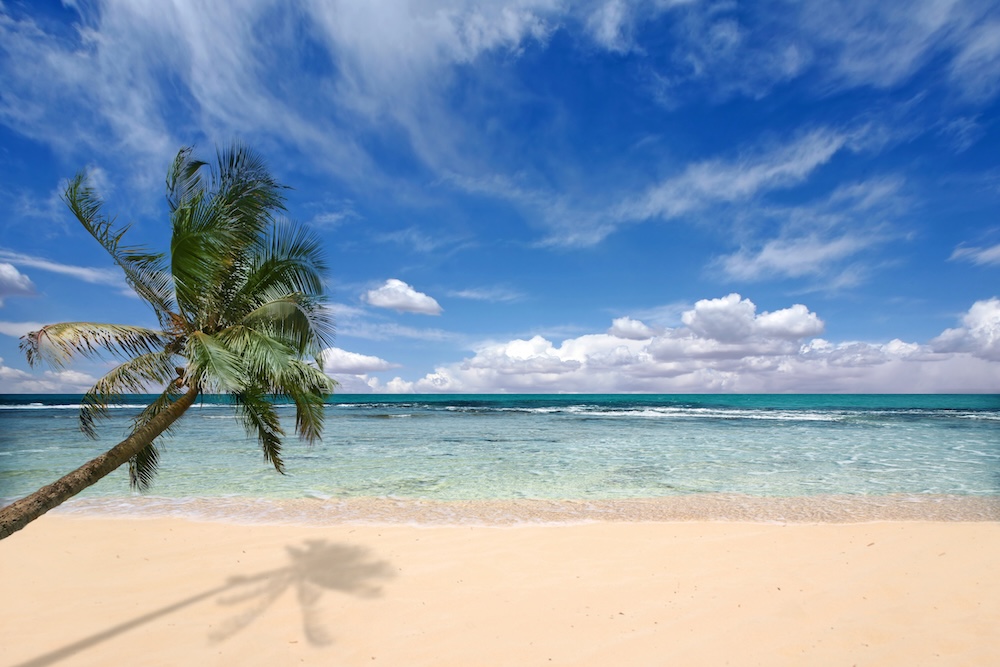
column 529, row 590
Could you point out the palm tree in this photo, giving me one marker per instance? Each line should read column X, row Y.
column 240, row 306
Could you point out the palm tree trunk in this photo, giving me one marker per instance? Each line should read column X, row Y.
column 20, row 513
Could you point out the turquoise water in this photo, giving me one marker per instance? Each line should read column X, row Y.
column 544, row 447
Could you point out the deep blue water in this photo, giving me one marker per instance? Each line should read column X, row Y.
column 453, row 447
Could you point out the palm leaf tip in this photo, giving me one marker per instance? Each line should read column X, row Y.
column 142, row 468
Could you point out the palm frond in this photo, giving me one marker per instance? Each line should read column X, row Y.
column 201, row 253
column 264, row 356
column 131, row 377
column 245, row 191
column 184, row 183
column 143, row 466
column 296, row 320
column 308, row 387
column 261, row 419
column 58, row 343
column 213, row 365
column 213, row 235
column 161, row 403
column 145, row 272
column 289, row 260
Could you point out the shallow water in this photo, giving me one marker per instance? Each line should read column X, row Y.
column 496, row 449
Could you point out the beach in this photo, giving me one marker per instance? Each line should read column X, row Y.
column 519, row 530
column 92, row 590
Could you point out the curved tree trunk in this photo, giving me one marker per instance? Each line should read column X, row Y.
column 21, row 512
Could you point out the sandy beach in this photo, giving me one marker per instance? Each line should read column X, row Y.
column 171, row 591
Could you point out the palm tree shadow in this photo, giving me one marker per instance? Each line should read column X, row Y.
column 315, row 568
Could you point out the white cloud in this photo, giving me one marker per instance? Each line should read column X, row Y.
column 841, row 44
column 14, row 283
column 733, row 319
column 84, row 273
column 824, row 240
column 626, row 327
column 792, row 257
column 988, row 255
column 16, row 381
column 396, row 64
column 610, row 25
column 962, row 132
column 726, row 346
column 792, row 323
column 976, row 68
column 491, row 294
column 719, row 181
column 413, row 238
column 18, row 329
column 336, row 360
column 397, row 295
column 331, row 219
column 980, row 335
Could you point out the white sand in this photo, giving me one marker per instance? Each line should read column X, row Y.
column 86, row 591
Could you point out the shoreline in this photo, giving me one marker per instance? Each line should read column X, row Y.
column 84, row 590
column 324, row 511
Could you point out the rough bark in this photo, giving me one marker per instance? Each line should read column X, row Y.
column 21, row 512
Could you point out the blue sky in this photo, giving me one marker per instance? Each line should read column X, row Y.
column 673, row 196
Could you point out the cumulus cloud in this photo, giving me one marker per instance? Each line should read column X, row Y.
column 979, row 335
column 14, row 283
column 16, row 381
column 336, row 360
column 397, row 295
column 725, row 345
column 732, row 319
column 626, row 327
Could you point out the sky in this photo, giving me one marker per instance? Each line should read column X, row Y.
column 539, row 196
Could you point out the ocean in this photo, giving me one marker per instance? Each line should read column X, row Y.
column 556, row 451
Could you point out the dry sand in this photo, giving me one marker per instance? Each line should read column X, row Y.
column 169, row 591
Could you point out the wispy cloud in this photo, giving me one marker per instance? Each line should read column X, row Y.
column 822, row 240
column 724, row 181
column 87, row 274
column 491, row 294
column 702, row 187
column 982, row 256
column 18, row 329
column 418, row 240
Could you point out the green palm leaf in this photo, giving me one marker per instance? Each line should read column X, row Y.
column 261, row 419
column 213, row 365
column 143, row 466
column 135, row 376
column 184, row 182
column 145, row 272
column 308, row 387
column 295, row 320
column 56, row 344
column 263, row 355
